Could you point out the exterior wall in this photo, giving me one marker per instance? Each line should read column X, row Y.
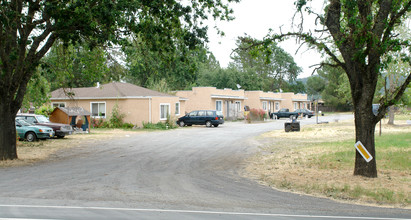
column 255, row 99
column 295, row 101
column 59, row 116
column 171, row 102
column 136, row 110
column 287, row 100
column 206, row 98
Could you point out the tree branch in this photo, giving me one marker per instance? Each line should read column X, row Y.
column 384, row 104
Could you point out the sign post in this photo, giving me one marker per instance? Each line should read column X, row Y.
column 363, row 151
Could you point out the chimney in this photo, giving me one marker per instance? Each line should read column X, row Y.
column 98, row 85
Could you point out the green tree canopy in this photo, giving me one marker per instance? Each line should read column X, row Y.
column 359, row 37
column 274, row 66
column 28, row 29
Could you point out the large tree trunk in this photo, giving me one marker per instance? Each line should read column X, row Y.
column 365, row 121
column 365, row 132
column 8, row 150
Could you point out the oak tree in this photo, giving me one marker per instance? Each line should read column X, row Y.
column 29, row 28
column 359, row 36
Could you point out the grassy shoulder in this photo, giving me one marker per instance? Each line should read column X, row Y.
column 319, row 160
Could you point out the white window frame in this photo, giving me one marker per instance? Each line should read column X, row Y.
column 295, row 106
column 221, row 105
column 105, row 109
column 168, row 109
column 177, row 108
column 265, row 103
column 277, row 106
column 58, row 104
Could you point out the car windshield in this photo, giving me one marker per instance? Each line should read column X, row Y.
column 42, row 119
column 23, row 122
column 219, row 113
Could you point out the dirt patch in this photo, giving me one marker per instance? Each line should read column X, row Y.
column 32, row 152
column 292, row 162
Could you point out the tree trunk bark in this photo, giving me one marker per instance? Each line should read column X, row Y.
column 365, row 132
column 8, row 150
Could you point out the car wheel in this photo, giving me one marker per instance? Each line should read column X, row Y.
column 60, row 136
column 31, row 136
column 208, row 123
column 216, row 125
column 181, row 123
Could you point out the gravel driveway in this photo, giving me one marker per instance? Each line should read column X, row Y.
column 187, row 169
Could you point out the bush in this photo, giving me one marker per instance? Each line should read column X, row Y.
column 128, row 126
column 116, row 118
column 159, row 125
column 45, row 110
column 97, row 122
column 256, row 115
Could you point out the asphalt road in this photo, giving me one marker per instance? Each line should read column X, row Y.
column 188, row 173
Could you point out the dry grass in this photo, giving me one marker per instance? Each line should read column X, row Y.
column 32, row 152
column 297, row 161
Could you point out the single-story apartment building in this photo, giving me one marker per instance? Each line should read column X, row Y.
column 232, row 102
column 229, row 102
column 268, row 101
column 138, row 104
column 295, row 101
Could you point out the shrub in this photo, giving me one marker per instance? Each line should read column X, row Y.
column 116, row 118
column 97, row 122
column 45, row 110
column 256, row 115
column 128, row 126
column 159, row 125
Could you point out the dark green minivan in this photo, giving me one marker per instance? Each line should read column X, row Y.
column 202, row 117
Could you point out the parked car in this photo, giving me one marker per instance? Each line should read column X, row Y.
column 60, row 130
column 202, row 117
column 31, row 132
column 284, row 113
column 305, row 112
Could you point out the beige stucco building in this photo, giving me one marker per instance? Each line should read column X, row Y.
column 295, row 101
column 268, row 101
column 229, row 102
column 138, row 104
column 232, row 102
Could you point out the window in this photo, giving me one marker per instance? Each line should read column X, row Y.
column 210, row 113
column 177, row 108
column 238, row 106
column 265, row 105
column 277, row 106
column 164, row 111
column 201, row 113
column 219, row 105
column 305, row 106
column 295, row 106
column 98, row 109
column 58, row 104
column 192, row 114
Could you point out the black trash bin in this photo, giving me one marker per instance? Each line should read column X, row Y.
column 292, row 126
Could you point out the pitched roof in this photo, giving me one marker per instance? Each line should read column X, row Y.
column 74, row 111
column 112, row 90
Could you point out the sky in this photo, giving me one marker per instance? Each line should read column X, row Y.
column 255, row 18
